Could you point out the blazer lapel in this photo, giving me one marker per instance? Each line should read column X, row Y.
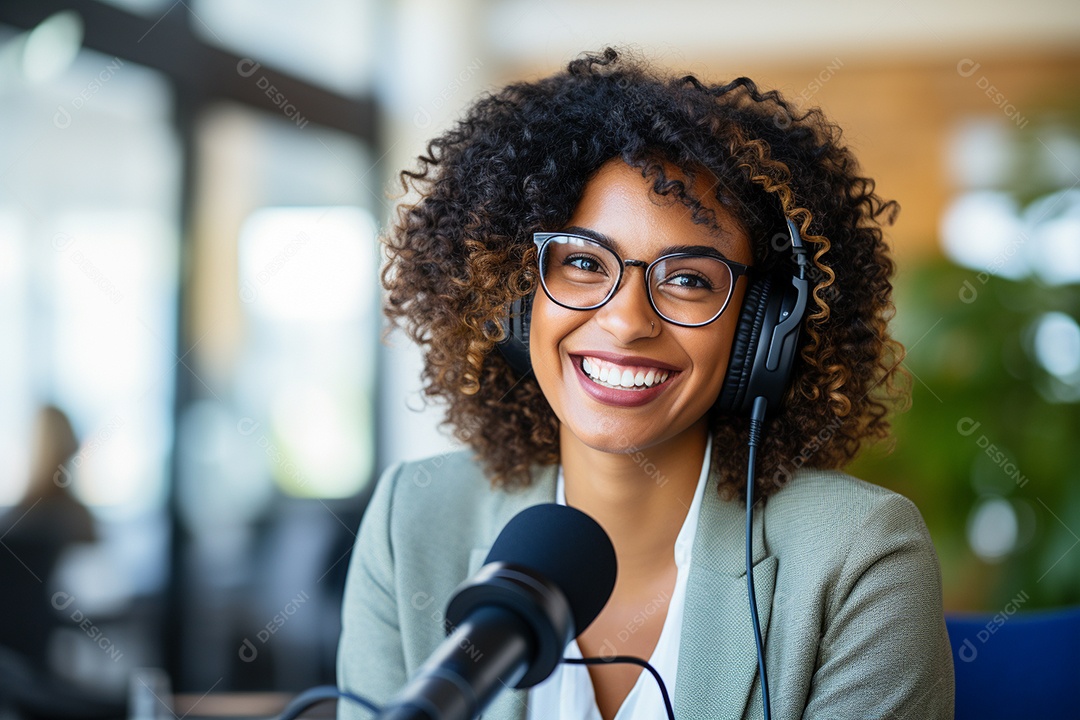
column 513, row 704
column 717, row 657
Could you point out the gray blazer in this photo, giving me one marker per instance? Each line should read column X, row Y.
column 847, row 583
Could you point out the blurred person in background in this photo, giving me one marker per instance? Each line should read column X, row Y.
column 35, row 533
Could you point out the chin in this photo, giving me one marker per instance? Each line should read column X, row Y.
column 611, row 435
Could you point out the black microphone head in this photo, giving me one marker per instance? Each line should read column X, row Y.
column 567, row 547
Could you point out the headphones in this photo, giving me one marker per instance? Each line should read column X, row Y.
column 763, row 350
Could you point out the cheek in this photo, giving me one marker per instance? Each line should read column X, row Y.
column 548, row 325
column 711, row 362
column 713, row 353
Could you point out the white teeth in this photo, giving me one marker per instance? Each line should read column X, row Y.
column 614, row 377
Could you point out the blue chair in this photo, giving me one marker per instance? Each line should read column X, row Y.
column 1016, row 665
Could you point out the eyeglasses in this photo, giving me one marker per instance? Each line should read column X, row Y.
column 685, row 289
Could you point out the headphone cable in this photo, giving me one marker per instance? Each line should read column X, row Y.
column 757, row 418
column 631, row 660
column 316, row 695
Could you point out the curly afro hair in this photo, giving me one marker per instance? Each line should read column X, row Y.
column 517, row 163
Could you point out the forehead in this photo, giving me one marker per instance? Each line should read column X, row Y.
column 619, row 203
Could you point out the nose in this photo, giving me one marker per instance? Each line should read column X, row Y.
column 629, row 315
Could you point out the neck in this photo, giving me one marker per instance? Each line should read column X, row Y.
column 640, row 497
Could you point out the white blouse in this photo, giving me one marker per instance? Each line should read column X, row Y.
column 567, row 694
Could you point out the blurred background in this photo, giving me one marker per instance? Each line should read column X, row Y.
column 194, row 399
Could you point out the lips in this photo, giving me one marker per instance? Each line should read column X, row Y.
column 613, row 391
column 624, row 360
column 615, row 375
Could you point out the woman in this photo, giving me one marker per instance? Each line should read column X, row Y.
column 35, row 534
column 637, row 214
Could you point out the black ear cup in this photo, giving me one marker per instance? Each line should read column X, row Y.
column 766, row 344
column 515, row 347
column 744, row 346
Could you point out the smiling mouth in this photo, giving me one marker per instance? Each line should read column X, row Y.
column 620, row 377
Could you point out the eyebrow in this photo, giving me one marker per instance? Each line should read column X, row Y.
column 666, row 250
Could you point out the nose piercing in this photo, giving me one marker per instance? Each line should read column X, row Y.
column 652, row 324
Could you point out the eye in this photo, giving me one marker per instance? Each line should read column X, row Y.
column 587, row 263
column 691, row 281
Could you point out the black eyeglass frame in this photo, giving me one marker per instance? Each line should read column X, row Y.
column 737, row 270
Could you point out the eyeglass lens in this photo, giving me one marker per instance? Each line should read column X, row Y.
column 582, row 274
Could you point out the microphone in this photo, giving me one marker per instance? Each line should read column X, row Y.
column 546, row 578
